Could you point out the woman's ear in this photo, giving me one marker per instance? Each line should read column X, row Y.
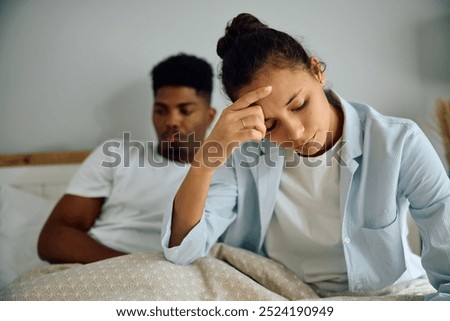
column 317, row 69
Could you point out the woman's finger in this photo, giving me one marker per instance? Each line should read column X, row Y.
column 253, row 121
column 251, row 97
column 252, row 112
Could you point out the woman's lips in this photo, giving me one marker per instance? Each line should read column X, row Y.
column 302, row 145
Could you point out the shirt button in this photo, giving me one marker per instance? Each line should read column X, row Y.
column 347, row 240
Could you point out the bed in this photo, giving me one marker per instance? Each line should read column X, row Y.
column 30, row 186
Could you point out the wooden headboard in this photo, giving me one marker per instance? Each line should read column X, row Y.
column 45, row 174
column 43, row 158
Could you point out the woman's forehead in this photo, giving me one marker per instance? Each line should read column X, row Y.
column 277, row 78
column 286, row 85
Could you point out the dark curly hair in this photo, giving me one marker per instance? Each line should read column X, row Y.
column 249, row 46
column 184, row 70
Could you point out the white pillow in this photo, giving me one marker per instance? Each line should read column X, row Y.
column 22, row 216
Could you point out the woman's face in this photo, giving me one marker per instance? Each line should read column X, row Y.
column 297, row 113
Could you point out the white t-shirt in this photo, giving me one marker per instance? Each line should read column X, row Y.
column 138, row 184
column 305, row 231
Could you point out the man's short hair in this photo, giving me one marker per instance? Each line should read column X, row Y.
column 184, row 70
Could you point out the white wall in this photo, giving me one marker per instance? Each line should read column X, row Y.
column 73, row 73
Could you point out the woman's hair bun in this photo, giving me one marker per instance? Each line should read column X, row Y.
column 241, row 24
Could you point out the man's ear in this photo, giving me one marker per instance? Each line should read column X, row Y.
column 211, row 114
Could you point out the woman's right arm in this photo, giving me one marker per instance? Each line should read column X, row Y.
column 189, row 203
column 227, row 134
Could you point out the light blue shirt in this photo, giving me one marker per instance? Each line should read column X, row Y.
column 388, row 166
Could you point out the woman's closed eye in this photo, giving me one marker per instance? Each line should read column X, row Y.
column 300, row 107
column 270, row 124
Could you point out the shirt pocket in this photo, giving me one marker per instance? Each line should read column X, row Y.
column 382, row 251
column 380, row 219
column 385, row 233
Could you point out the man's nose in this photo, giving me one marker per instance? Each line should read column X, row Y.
column 173, row 120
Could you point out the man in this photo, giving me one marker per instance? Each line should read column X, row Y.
column 115, row 203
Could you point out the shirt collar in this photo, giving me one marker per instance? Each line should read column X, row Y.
column 352, row 133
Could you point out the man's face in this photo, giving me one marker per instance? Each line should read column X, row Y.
column 181, row 118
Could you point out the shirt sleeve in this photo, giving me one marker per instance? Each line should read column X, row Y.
column 95, row 176
column 423, row 180
column 220, row 211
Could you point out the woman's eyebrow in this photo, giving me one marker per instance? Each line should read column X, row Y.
column 294, row 96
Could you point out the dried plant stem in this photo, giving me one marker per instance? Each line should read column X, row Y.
column 443, row 116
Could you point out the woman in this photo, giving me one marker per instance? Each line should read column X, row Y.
column 320, row 184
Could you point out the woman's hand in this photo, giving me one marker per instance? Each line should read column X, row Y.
column 239, row 122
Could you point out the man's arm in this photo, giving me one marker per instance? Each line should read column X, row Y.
column 64, row 237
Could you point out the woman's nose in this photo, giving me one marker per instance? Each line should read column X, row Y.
column 293, row 129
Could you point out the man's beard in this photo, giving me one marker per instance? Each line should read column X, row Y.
column 182, row 149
